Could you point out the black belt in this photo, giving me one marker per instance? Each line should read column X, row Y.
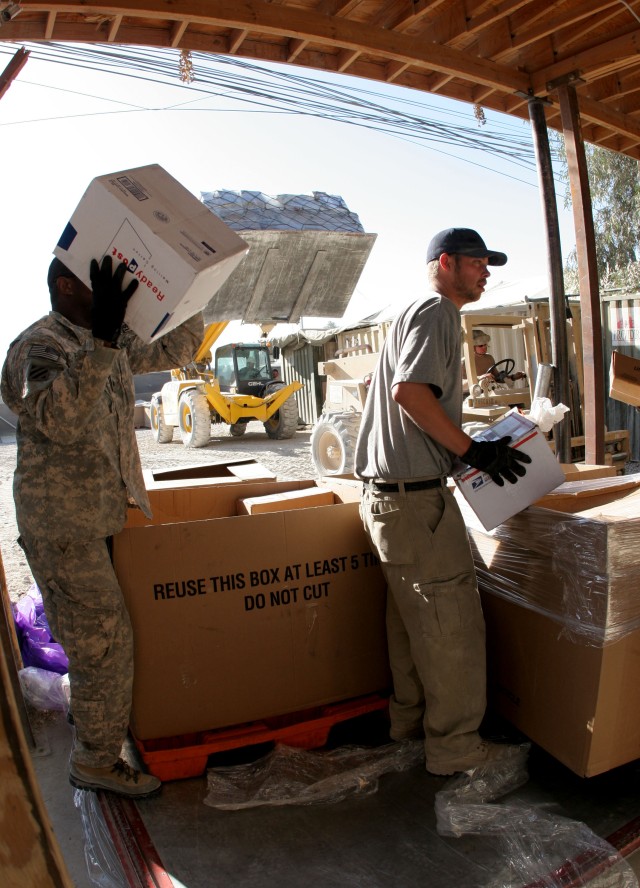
column 408, row 485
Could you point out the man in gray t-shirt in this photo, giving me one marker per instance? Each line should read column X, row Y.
column 409, row 439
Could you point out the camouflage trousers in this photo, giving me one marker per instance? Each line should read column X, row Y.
column 435, row 625
column 87, row 616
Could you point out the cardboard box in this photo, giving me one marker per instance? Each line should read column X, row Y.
column 493, row 504
column 293, row 499
column 578, row 702
column 624, row 379
column 174, row 246
column 172, row 500
column 238, row 618
column 582, row 471
column 204, row 474
column 559, row 592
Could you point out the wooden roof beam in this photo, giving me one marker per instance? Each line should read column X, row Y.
column 346, row 58
column 114, row 27
column 298, row 23
column 393, row 70
column 48, row 30
column 177, row 32
column 450, row 27
column 414, row 11
column 237, row 36
column 589, row 61
column 525, row 32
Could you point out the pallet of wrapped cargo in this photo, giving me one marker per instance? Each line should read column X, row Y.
column 559, row 589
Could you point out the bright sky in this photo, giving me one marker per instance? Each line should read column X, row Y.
column 61, row 126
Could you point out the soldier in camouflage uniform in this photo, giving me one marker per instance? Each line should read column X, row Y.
column 69, row 379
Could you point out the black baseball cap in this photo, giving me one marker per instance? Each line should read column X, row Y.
column 464, row 241
column 58, row 269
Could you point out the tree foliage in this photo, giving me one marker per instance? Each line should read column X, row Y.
column 614, row 182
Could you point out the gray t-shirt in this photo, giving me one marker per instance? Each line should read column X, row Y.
column 423, row 345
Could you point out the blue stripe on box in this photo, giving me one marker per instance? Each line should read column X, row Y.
column 67, row 237
column 161, row 324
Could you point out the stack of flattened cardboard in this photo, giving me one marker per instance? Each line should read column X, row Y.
column 559, row 587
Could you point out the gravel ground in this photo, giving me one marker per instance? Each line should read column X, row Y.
column 288, row 459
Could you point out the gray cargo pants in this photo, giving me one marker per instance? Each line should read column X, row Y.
column 435, row 625
column 87, row 616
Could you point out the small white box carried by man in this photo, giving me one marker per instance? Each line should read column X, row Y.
column 173, row 245
column 493, row 504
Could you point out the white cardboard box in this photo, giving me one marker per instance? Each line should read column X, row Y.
column 177, row 249
column 493, row 504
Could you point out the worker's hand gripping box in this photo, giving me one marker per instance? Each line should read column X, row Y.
column 174, row 246
column 494, row 504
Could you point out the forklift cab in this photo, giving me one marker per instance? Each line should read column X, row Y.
column 243, row 369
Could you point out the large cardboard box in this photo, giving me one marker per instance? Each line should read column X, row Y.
column 493, row 504
column 624, row 379
column 174, row 246
column 243, row 617
column 559, row 592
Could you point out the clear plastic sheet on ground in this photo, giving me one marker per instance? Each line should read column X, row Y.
column 534, row 846
column 103, row 865
column 45, row 690
column 289, row 776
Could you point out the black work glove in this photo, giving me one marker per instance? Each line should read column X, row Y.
column 497, row 459
column 109, row 299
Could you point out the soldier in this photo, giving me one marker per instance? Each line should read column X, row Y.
column 69, row 379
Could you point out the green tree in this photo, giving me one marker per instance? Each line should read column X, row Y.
column 615, row 196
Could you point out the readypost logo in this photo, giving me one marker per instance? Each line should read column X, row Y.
column 139, row 275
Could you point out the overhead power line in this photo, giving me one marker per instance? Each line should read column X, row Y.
column 275, row 89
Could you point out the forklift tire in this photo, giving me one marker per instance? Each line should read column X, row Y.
column 162, row 433
column 333, row 443
column 194, row 418
column 238, row 429
column 284, row 422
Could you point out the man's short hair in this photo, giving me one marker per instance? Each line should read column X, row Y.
column 57, row 269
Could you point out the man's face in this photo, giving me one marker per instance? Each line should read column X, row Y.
column 469, row 277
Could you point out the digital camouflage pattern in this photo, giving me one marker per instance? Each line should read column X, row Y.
column 88, row 617
column 78, row 460
column 77, row 468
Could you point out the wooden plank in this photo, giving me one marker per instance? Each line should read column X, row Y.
column 12, row 70
column 588, row 277
column 29, row 852
column 557, row 307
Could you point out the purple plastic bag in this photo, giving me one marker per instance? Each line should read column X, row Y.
column 37, row 646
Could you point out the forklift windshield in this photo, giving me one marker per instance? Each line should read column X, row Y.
column 253, row 363
column 236, row 364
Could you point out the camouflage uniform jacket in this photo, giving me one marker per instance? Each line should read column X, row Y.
column 78, row 462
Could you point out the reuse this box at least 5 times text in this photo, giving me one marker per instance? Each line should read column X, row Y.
column 242, row 617
column 178, row 251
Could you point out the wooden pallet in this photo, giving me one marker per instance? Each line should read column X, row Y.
column 178, row 758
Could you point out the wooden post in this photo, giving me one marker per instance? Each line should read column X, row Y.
column 587, row 274
column 12, row 70
column 558, row 311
